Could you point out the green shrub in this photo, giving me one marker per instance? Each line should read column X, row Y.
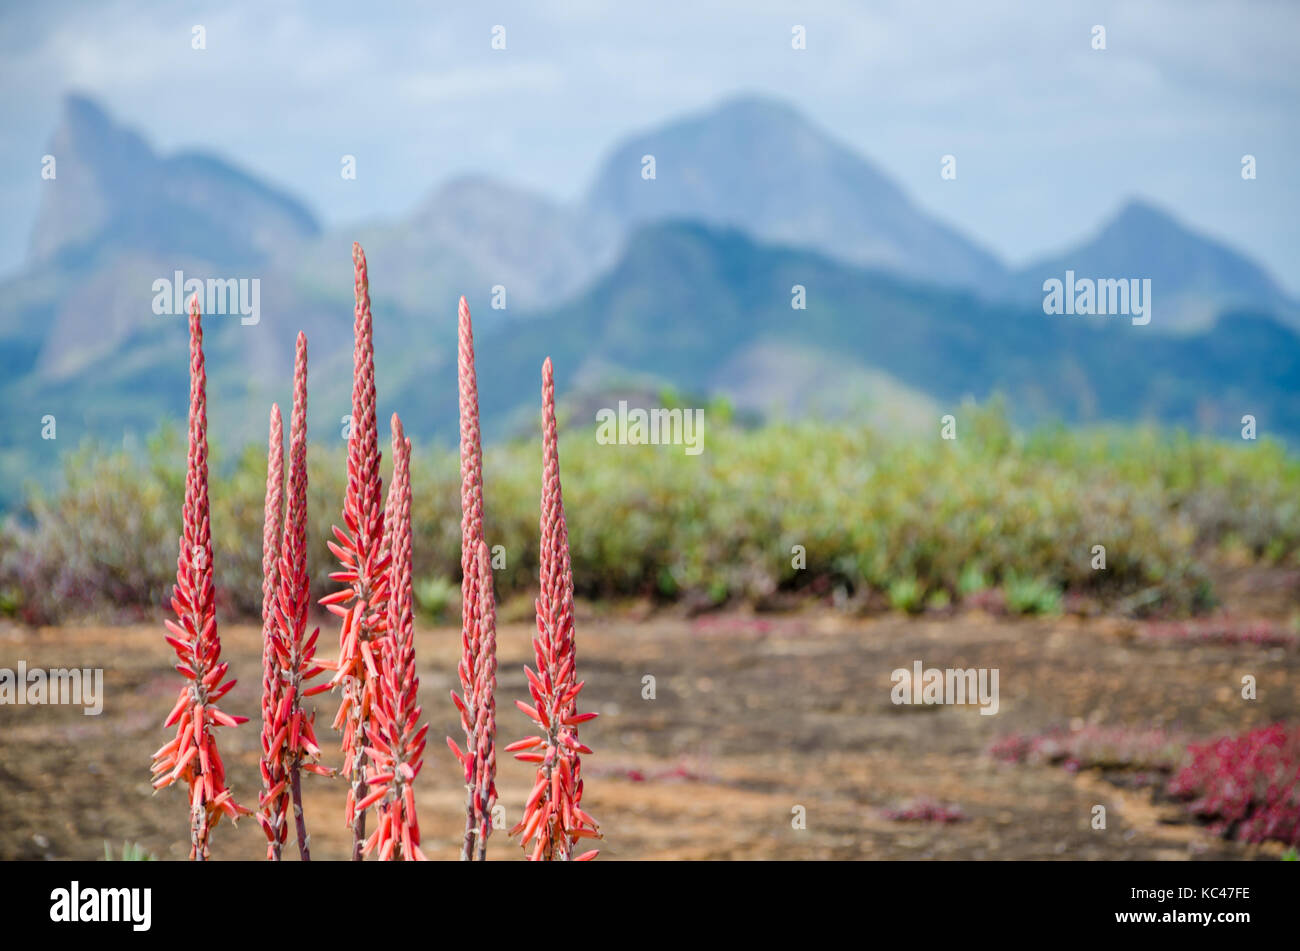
column 938, row 601
column 131, row 852
column 971, row 580
column 1031, row 595
column 906, row 594
column 437, row 598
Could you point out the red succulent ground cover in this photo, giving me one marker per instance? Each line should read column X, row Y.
column 1221, row 630
column 1092, row 746
column 1246, row 786
column 925, row 810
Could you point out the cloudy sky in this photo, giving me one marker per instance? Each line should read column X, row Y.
column 1050, row 135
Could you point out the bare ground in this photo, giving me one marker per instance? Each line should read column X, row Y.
column 753, row 715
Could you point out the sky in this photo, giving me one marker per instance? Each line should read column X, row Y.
column 1050, row 135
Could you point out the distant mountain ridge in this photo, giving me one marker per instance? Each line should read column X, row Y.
column 940, row 342
column 684, row 279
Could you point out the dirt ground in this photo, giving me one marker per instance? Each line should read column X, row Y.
column 752, row 716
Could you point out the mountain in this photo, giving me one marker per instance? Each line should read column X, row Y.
column 469, row 236
column 756, row 164
column 707, row 310
column 116, row 217
column 751, row 163
column 625, row 299
column 1194, row 278
column 80, row 338
column 110, row 188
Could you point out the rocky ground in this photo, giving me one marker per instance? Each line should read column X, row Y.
column 752, row 717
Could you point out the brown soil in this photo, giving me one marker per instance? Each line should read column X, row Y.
column 753, row 716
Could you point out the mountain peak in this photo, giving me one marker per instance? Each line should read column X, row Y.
column 80, row 111
column 1139, row 217
column 1195, row 277
column 112, row 193
column 758, row 107
column 757, row 163
column 94, row 160
column 471, row 193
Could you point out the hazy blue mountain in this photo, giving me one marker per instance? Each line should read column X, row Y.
column 79, row 338
column 115, row 218
column 692, row 306
column 751, row 163
column 757, row 164
column 112, row 189
column 623, row 298
column 468, row 236
column 1194, row 278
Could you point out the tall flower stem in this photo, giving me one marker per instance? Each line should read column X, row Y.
column 192, row 756
column 274, row 799
column 396, row 737
column 362, row 603
column 485, row 682
column 477, row 667
column 295, row 741
column 553, row 818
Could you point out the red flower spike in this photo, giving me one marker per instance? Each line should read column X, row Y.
column 398, row 737
column 478, row 665
column 553, row 820
column 273, row 807
column 362, row 602
column 193, row 757
column 485, row 723
column 295, row 652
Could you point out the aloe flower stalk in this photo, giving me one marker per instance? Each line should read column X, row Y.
column 485, row 685
column 362, row 603
column 553, row 817
column 273, row 806
column 294, row 740
column 396, row 739
column 192, row 756
column 477, row 668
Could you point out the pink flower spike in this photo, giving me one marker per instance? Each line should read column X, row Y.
column 553, row 817
column 478, row 664
column 193, row 756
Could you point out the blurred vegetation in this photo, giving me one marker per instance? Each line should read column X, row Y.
column 883, row 521
column 131, row 852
